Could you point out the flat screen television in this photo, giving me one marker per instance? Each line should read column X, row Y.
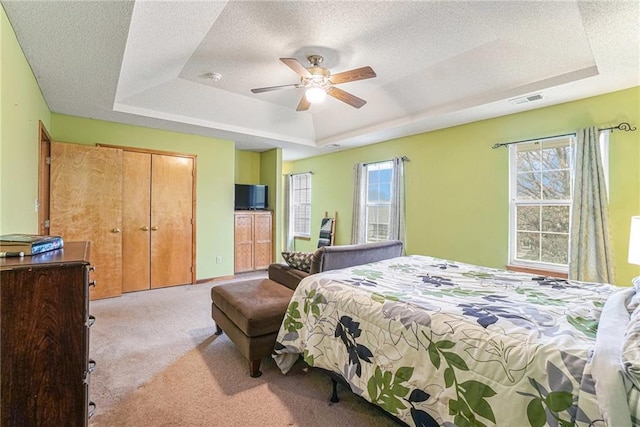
column 251, row 197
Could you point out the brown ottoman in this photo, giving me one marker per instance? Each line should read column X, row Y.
column 250, row 313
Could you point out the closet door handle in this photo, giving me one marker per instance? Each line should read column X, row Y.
column 92, row 409
column 115, row 230
column 154, row 228
column 144, row 228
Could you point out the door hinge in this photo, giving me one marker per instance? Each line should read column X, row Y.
column 47, row 223
column 47, row 160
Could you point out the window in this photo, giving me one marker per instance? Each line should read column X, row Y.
column 378, row 202
column 300, row 197
column 541, row 198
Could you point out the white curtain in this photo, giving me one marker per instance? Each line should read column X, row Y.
column 396, row 226
column 590, row 252
column 288, row 224
column 358, row 224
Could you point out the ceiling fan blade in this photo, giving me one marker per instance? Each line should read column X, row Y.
column 304, row 104
column 296, row 66
column 271, row 88
column 343, row 96
column 353, row 75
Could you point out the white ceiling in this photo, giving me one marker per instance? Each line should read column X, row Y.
column 438, row 63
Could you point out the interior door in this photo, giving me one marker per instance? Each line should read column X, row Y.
column 136, row 221
column 171, row 220
column 44, row 180
column 86, row 204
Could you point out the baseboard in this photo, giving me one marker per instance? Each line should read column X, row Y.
column 237, row 276
column 214, row 279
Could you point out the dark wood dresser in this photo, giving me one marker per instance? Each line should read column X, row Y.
column 44, row 347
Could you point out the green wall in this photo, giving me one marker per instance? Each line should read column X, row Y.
column 215, row 178
column 264, row 168
column 271, row 175
column 247, row 167
column 21, row 107
column 457, row 186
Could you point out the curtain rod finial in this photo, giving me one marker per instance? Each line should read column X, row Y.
column 626, row 127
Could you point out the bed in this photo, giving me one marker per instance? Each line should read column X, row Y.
column 435, row 342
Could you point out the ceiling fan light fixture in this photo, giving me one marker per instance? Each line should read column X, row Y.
column 318, row 82
column 315, row 94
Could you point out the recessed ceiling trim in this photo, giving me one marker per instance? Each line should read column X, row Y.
column 152, row 57
column 124, row 108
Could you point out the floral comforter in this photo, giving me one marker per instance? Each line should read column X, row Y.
column 435, row 342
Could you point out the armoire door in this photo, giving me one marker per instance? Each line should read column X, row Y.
column 86, row 205
column 136, row 221
column 262, row 240
column 243, row 242
column 171, row 220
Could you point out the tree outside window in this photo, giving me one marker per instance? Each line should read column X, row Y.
column 542, row 201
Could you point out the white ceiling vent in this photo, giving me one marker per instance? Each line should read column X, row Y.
column 525, row 99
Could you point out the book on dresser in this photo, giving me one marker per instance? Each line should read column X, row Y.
column 30, row 244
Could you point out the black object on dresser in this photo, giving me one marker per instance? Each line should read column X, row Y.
column 44, row 346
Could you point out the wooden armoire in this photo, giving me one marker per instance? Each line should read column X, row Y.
column 252, row 240
column 135, row 206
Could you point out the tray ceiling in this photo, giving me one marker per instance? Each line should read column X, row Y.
column 438, row 64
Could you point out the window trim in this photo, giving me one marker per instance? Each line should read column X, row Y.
column 377, row 203
column 541, row 265
column 292, row 216
column 513, row 172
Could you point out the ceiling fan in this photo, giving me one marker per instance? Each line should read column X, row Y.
column 318, row 82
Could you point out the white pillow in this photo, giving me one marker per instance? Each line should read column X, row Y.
column 635, row 300
column 631, row 347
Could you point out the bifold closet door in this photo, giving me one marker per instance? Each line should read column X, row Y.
column 86, row 205
column 171, row 217
column 136, row 221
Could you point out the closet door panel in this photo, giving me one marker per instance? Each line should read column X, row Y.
column 136, row 226
column 86, row 205
column 171, row 216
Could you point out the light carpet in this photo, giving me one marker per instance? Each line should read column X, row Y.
column 160, row 364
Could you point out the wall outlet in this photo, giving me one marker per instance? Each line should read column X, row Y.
column 218, row 260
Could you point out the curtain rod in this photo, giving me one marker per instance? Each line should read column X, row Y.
column 621, row 126
column 403, row 158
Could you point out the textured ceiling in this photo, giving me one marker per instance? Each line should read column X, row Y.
column 438, row 63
